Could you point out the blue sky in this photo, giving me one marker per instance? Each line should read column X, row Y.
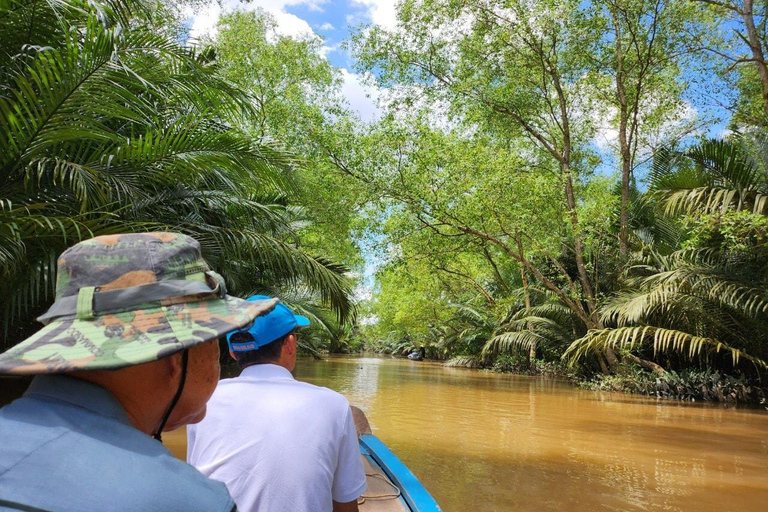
column 333, row 22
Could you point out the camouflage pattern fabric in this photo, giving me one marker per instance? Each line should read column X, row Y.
column 87, row 339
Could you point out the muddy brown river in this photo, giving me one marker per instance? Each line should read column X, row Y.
column 489, row 442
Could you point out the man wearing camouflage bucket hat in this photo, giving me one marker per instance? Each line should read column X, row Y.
column 129, row 349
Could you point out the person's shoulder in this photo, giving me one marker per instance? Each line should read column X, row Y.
column 327, row 396
column 168, row 483
column 119, row 467
column 22, row 438
column 230, row 380
column 224, row 384
column 227, row 389
column 191, row 490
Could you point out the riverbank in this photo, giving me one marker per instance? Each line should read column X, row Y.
column 689, row 385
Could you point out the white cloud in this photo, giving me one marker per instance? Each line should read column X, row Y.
column 204, row 20
column 292, row 26
column 380, row 12
column 326, row 49
column 369, row 320
column 724, row 133
column 679, row 123
column 606, row 136
column 674, row 123
column 362, row 293
column 326, row 26
column 362, row 98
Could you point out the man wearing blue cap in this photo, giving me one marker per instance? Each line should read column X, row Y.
column 278, row 444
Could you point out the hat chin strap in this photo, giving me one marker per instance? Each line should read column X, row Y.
column 184, row 361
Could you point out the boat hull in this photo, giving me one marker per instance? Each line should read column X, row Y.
column 413, row 496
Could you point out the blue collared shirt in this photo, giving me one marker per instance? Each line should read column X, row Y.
column 68, row 446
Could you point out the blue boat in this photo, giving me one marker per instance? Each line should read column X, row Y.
column 392, row 487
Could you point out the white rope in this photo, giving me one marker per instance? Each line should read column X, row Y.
column 373, row 497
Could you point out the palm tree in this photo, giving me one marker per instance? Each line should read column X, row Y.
column 108, row 125
column 543, row 322
column 717, row 175
column 710, row 296
column 696, row 303
column 464, row 334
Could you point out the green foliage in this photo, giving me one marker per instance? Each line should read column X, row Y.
column 662, row 340
column 518, row 364
column 709, row 296
column 737, row 231
column 545, row 323
column 390, row 344
column 717, row 175
column 299, row 103
column 109, row 125
column 750, row 106
column 690, row 384
column 499, row 234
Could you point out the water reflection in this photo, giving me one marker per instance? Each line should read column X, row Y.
column 488, row 442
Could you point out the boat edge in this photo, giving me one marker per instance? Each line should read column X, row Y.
column 415, row 494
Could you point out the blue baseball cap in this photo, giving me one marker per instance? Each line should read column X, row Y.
column 267, row 328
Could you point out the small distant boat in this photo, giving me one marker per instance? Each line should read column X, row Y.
column 392, row 487
column 418, row 355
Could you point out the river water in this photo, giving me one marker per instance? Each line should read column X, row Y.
column 489, row 442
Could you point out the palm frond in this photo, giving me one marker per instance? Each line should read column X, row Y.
column 278, row 260
column 510, row 341
column 715, row 176
column 466, row 362
column 109, row 125
column 662, row 340
column 555, row 312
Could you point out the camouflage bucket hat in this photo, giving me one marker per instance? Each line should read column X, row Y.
column 129, row 299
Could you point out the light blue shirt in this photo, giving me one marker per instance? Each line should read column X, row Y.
column 68, row 446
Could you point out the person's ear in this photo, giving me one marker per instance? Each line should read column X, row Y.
column 172, row 366
column 232, row 355
column 290, row 344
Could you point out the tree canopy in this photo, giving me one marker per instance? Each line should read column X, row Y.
column 579, row 182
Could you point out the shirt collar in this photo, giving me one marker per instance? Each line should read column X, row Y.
column 266, row 371
column 80, row 393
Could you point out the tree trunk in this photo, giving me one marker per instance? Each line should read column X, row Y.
column 625, row 175
column 495, row 268
column 578, row 248
column 572, row 304
column 757, row 49
column 524, row 276
column 610, row 356
column 603, row 366
column 565, row 169
column 648, row 365
column 624, row 147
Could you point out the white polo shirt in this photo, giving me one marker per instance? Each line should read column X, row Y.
column 278, row 444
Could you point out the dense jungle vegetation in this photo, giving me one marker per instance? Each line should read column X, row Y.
column 576, row 188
